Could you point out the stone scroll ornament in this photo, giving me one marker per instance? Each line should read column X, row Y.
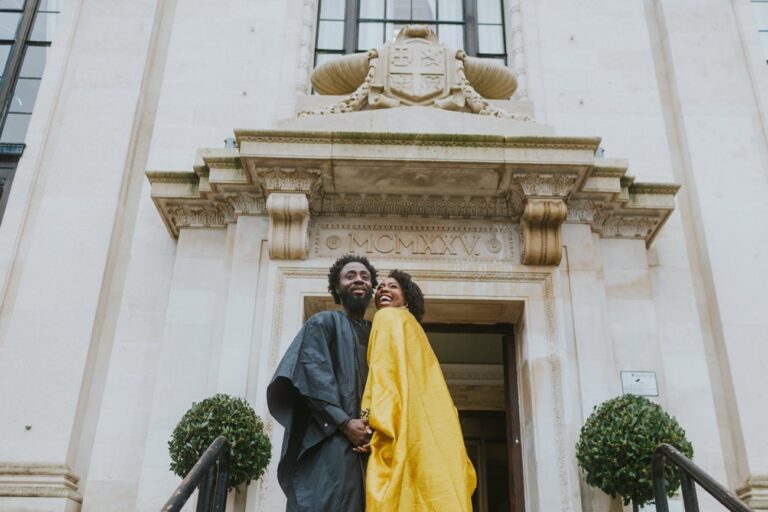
column 415, row 69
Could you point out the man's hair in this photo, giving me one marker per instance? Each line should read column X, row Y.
column 334, row 273
column 412, row 294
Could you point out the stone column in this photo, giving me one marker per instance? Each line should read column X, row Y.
column 63, row 267
column 723, row 169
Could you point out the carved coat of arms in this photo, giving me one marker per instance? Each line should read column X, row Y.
column 417, row 71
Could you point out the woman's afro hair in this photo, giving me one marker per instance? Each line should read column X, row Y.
column 412, row 294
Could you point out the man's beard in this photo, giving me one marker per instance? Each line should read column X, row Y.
column 354, row 304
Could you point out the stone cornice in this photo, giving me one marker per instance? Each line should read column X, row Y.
column 39, row 480
column 428, row 175
column 415, row 139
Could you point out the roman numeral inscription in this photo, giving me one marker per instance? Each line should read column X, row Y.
column 413, row 245
column 492, row 242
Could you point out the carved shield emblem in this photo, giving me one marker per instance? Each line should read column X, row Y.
column 417, row 72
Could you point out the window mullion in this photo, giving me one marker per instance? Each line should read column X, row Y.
column 470, row 27
column 350, row 26
column 16, row 58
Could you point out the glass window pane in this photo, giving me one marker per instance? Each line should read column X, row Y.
column 42, row 30
column 24, row 95
column 372, row 9
column 8, row 23
column 4, row 51
column 490, row 39
column 322, row 58
column 330, row 35
column 498, row 60
column 391, row 32
column 761, row 14
column 423, row 10
column 399, row 9
column 451, row 35
column 450, row 10
column 34, row 61
column 15, row 128
column 489, row 11
column 11, row 4
column 369, row 35
column 332, row 9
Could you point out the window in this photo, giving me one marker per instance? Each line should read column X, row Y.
column 349, row 26
column 760, row 8
column 26, row 31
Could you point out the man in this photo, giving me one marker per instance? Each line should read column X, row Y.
column 315, row 394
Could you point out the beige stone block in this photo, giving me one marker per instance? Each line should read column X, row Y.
column 39, row 504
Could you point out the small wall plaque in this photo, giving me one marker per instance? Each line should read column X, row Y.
column 639, row 383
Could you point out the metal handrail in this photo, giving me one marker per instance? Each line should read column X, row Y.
column 690, row 475
column 210, row 476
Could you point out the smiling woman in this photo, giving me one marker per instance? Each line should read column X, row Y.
column 399, row 290
column 418, row 458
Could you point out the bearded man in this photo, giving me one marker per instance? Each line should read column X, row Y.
column 315, row 394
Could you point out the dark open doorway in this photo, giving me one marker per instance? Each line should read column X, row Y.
column 488, row 408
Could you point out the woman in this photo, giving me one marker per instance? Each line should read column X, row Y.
column 418, row 460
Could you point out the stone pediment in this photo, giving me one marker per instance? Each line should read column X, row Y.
column 360, row 155
column 537, row 181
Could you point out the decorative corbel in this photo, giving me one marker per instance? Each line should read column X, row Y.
column 288, row 191
column 288, row 225
column 543, row 216
column 541, row 225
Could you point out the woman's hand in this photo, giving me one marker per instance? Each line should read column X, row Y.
column 366, row 448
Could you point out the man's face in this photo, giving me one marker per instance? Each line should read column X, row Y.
column 355, row 290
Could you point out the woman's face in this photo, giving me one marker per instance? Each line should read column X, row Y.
column 389, row 294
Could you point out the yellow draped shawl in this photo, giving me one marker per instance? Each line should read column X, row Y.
column 418, row 460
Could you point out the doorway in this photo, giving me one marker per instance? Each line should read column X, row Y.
column 480, row 365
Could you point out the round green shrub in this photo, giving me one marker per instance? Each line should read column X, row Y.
column 616, row 446
column 221, row 415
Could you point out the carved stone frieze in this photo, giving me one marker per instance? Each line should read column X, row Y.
column 289, row 179
column 245, row 204
column 541, row 226
column 288, row 223
column 546, row 185
column 182, row 216
column 587, row 211
column 421, row 206
column 629, row 226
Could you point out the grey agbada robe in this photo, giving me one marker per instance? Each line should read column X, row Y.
column 317, row 386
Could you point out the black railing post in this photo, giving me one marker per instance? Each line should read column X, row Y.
column 659, row 484
column 687, row 485
column 205, row 490
column 690, row 474
column 210, row 471
column 220, row 494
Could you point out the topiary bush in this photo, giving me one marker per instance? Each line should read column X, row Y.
column 222, row 415
column 617, row 442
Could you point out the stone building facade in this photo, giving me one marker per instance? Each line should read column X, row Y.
column 600, row 228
